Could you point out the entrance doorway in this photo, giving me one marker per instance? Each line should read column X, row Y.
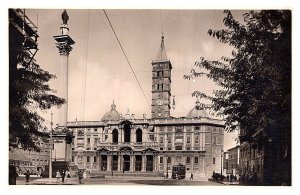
column 149, row 164
column 126, row 164
column 138, row 163
column 103, row 163
column 115, row 163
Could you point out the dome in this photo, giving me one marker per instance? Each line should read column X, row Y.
column 112, row 115
column 197, row 112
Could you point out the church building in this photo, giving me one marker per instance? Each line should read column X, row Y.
column 123, row 144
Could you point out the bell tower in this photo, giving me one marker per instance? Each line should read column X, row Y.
column 161, row 84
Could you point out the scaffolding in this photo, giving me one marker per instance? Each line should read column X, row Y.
column 27, row 31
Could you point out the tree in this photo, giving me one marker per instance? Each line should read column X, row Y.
column 29, row 92
column 256, row 85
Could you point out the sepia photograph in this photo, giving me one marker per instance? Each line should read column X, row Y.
column 160, row 97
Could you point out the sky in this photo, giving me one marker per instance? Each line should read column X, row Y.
column 98, row 71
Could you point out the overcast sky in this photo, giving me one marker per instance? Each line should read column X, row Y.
column 99, row 72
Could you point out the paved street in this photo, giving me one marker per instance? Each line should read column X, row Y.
column 119, row 181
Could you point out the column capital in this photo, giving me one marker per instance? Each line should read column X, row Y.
column 64, row 48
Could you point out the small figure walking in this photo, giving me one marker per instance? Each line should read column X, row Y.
column 58, row 176
column 80, row 176
column 27, row 176
column 63, row 175
column 192, row 176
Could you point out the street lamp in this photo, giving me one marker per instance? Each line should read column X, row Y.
column 221, row 162
column 112, row 156
column 167, row 167
column 51, row 147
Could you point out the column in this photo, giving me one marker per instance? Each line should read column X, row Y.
column 173, row 138
column 165, row 162
column 184, row 138
column 203, row 164
column 121, row 135
column 109, row 165
column 100, row 163
column 192, row 140
column 203, row 137
column 133, row 136
column 131, row 162
column 154, row 162
column 143, row 162
column 166, row 141
column 119, row 162
column 64, row 44
column 75, row 140
column 192, row 163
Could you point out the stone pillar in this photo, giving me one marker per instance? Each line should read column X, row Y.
column 184, row 138
column 154, row 162
column 109, row 165
column 143, row 162
column 166, row 141
column 203, row 137
column 131, row 162
column 165, row 164
column 193, row 141
column 121, row 135
column 64, row 44
column 100, row 163
column 133, row 136
column 119, row 162
column 203, row 164
column 173, row 138
column 192, row 163
column 75, row 140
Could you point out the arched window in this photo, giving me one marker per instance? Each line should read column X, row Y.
column 139, row 135
column 115, row 135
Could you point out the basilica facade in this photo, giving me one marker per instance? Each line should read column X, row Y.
column 122, row 143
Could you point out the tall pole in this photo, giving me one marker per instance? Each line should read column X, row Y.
column 221, row 162
column 112, row 156
column 167, row 167
column 51, row 147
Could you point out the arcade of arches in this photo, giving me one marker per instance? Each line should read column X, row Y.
column 127, row 160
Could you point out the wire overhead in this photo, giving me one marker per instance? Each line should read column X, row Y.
column 126, row 57
column 85, row 66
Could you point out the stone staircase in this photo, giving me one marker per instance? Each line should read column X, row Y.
column 100, row 174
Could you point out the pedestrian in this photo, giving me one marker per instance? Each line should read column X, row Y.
column 63, row 175
column 80, row 177
column 27, row 176
column 58, row 176
column 231, row 177
column 191, row 178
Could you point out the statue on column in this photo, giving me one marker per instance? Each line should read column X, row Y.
column 65, row 17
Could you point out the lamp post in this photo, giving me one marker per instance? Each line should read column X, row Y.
column 51, row 147
column 112, row 156
column 221, row 162
column 167, row 167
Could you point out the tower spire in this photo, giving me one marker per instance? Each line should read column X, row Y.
column 162, row 54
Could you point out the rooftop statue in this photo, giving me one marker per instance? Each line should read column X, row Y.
column 65, row 17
